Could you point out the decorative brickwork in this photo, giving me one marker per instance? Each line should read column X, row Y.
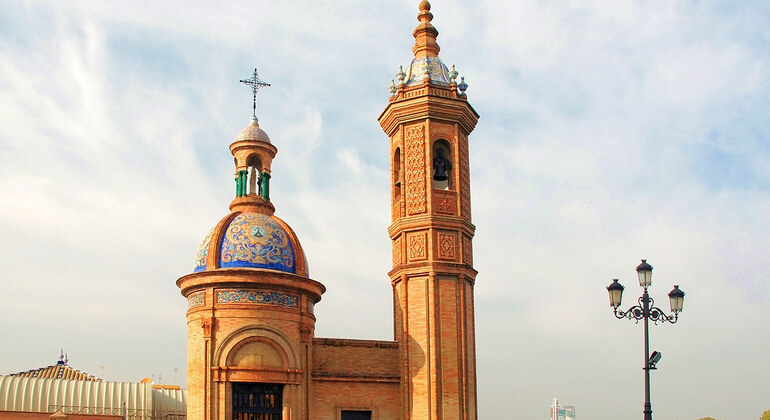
column 306, row 333
column 206, row 327
column 416, row 241
column 445, row 202
column 397, row 252
column 447, row 248
column 257, row 298
column 465, row 179
column 467, row 251
column 415, row 170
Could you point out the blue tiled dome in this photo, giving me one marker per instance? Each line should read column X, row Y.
column 253, row 240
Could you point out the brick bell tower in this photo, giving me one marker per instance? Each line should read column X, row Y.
column 250, row 322
column 428, row 120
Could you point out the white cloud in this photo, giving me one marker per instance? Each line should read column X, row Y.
column 609, row 131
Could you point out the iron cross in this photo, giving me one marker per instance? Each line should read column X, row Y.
column 255, row 84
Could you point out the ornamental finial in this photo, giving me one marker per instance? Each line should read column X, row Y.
column 255, row 84
column 425, row 7
column 462, row 86
column 425, row 33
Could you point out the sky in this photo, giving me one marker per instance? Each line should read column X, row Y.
column 610, row 131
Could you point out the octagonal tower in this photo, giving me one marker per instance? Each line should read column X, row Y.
column 250, row 317
column 428, row 120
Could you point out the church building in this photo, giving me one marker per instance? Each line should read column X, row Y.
column 252, row 352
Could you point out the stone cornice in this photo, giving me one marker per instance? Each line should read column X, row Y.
column 423, row 221
column 425, row 102
column 250, row 278
column 251, row 144
column 422, row 268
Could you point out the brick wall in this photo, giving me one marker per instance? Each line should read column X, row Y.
column 356, row 375
column 355, row 358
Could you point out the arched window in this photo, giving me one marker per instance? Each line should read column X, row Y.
column 442, row 165
column 254, row 174
column 398, row 176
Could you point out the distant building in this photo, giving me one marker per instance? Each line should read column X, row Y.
column 62, row 392
column 561, row 413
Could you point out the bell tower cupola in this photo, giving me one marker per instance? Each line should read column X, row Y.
column 428, row 120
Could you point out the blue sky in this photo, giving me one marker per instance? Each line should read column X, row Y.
column 610, row 131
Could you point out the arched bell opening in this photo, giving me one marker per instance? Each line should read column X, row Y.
column 254, row 174
column 442, row 165
column 398, row 176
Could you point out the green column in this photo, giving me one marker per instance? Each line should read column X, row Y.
column 266, row 186
column 240, row 184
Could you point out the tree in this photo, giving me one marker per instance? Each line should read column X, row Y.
column 765, row 415
column 708, row 418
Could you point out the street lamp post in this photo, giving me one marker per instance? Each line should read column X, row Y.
column 646, row 311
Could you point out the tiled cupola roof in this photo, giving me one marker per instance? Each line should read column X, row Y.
column 61, row 370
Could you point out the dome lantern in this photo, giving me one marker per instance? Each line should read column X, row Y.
column 251, row 236
column 253, row 153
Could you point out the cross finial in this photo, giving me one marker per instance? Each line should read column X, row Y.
column 255, row 84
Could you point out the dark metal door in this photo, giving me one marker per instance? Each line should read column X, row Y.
column 356, row 415
column 257, row 401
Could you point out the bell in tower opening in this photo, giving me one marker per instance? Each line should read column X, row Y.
column 442, row 166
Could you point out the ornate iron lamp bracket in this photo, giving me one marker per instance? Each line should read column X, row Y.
column 654, row 314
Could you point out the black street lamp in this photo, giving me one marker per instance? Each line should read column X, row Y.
column 646, row 311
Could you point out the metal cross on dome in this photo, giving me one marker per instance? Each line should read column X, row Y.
column 255, row 84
